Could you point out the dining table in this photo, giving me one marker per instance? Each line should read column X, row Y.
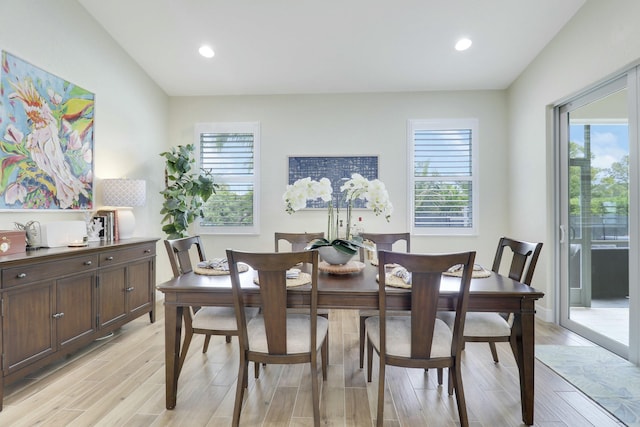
column 358, row 290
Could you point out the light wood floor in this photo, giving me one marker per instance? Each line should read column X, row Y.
column 120, row 382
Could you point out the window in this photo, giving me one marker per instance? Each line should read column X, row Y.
column 231, row 152
column 443, row 177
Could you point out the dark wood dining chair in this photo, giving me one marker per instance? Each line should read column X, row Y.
column 383, row 241
column 496, row 327
column 420, row 339
column 200, row 320
column 276, row 336
column 298, row 241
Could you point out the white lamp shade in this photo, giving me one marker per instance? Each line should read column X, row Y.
column 124, row 192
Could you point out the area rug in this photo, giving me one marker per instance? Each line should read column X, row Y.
column 609, row 380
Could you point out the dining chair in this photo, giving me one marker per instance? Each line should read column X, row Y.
column 298, row 241
column 420, row 339
column 383, row 241
column 276, row 336
column 496, row 327
column 200, row 320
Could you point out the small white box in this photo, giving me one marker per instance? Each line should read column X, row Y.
column 63, row 233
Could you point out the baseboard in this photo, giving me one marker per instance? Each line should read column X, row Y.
column 545, row 314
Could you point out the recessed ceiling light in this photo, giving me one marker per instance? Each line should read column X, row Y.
column 463, row 44
column 206, row 51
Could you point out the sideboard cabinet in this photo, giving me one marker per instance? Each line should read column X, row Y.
column 54, row 301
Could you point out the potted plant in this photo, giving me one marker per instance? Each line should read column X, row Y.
column 186, row 191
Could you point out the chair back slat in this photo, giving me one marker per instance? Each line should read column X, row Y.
column 179, row 252
column 298, row 241
column 274, row 299
column 424, row 302
column 524, row 258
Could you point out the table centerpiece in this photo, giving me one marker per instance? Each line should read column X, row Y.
column 335, row 248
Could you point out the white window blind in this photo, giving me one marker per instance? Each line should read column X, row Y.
column 443, row 178
column 230, row 152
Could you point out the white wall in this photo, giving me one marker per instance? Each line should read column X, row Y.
column 603, row 38
column 356, row 124
column 131, row 112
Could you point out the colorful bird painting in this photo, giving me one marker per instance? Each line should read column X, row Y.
column 43, row 143
column 46, row 139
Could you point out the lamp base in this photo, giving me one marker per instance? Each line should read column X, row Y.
column 126, row 223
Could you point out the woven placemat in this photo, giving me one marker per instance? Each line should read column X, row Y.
column 395, row 281
column 479, row 272
column 217, row 272
column 302, row 279
column 348, row 268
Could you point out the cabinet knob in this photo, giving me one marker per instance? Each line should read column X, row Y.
column 129, row 289
column 58, row 315
column 22, row 275
column 147, row 251
column 109, row 258
column 88, row 263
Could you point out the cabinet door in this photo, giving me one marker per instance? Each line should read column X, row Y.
column 75, row 315
column 112, row 297
column 139, row 286
column 27, row 329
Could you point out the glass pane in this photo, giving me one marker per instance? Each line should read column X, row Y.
column 598, row 216
column 443, row 204
column 232, row 205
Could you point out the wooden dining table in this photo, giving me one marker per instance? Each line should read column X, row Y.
column 359, row 290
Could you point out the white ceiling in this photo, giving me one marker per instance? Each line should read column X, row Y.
column 331, row 46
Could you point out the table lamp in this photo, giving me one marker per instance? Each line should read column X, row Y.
column 124, row 194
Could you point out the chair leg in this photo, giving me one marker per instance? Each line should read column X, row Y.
column 256, row 370
column 381, row 381
column 362, row 340
column 494, row 352
column 369, row 360
column 227, row 338
column 450, row 386
column 439, row 376
column 315, row 394
column 324, row 350
column 326, row 316
column 188, row 334
column 242, row 384
column 205, row 347
column 456, row 373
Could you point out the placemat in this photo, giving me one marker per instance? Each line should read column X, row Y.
column 219, row 272
column 302, row 279
column 478, row 272
column 395, row 281
column 398, row 282
column 348, row 268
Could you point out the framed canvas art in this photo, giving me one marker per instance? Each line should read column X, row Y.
column 337, row 168
column 46, row 140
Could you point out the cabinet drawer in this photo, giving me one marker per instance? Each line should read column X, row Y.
column 126, row 255
column 47, row 270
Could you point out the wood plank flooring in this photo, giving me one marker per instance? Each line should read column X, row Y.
column 119, row 381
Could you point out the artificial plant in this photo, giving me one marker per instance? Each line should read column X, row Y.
column 187, row 189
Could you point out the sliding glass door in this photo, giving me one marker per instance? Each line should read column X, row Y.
column 598, row 237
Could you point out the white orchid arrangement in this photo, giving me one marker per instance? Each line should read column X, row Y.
column 372, row 192
column 305, row 189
